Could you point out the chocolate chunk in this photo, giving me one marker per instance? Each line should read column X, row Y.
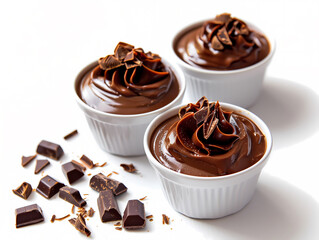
column 216, row 44
column 87, row 162
column 129, row 56
column 133, row 64
column 26, row 160
column 134, row 215
column 223, row 36
column 128, row 167
column 48, row 187
column 50, row 150
column 71, row 134
column 80, row 225
column 72, row 196
column 109, row 62
column 108, row 208
column 72, row 172
column 40, row 164
column 99, row 183
column 28, row 215
column 24, row 190
column 222, row 18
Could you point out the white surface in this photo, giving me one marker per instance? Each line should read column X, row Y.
column 45, row 44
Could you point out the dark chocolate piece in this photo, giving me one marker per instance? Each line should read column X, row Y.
column 26, row 160
column 50, row 150
column 108, row 208
column 80, row 225
column 24, row 190
column 48, row 187
column 134, row 215
column 87, row 162
column 128, row 167
column 72, row 196
column 99, row 183
column 72, row 172
column 71, row 134
column 40, row 164
column 28, row 215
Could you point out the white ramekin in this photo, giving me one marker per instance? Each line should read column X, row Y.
column 208, row 197
column 240, row 87
column 123, row 134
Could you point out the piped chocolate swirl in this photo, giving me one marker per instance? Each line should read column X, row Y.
column 223, row 43
column 206, row 140
column 130, row 81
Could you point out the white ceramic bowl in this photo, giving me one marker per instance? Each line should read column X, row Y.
column 208, row 197
column 123, row 134
column 240, row 87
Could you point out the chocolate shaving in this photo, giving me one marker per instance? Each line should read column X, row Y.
column 216, row 44
column 165, row 219
column 26, row 160
column 149, row 216
column 61, row 218
column 143, row 198
column 223, row 36
column 109, row 62
column 122, row 49
column 87, row 162
column 118, row 228
column 128, row 167
column 80, row 225
column 71, row 134
column 117, row 224
column 72, row 209
column 24, row 190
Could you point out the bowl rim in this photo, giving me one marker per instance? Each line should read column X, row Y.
column 189, row 67
column 164, row 116
column 179, row 76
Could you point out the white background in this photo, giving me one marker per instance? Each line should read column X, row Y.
column 44, row 44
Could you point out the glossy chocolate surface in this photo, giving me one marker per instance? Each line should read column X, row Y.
column 128, row 82
column 222, row 43
column 202, row 142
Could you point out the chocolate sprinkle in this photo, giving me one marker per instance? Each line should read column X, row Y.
column 128, row 167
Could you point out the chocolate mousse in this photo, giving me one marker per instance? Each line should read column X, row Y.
column 223, row 43
column 128, row 82
column 206, row 140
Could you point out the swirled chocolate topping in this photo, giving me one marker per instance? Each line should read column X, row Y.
column 223, row 43
column 128, row 82
column 206, row 140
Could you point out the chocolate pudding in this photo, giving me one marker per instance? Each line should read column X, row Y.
column 206, row 140
column 223, row 43
column 128, row 82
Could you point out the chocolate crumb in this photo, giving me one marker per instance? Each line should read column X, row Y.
column 117, row 224
column 53, row 218
column 143, row 198
column 91, row 212
column 71, row 134
column 149, row 216
column 151, row 220
column 89, row 174
column 165, row 219
column 128, row 167
column 118, row 228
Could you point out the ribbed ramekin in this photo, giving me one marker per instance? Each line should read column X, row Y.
column 240, row 87
column 122, row 134
column 208, row 197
